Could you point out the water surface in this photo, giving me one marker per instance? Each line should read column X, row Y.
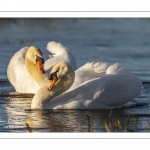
column 112, row 40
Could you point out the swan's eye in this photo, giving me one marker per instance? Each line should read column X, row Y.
column 39, row 59
column 50, row 77
column 54, row 74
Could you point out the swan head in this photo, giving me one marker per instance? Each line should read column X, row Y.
column 34, row 55
column 59, row 72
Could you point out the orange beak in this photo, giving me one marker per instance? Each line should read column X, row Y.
column 40, row 66
column 52, row 82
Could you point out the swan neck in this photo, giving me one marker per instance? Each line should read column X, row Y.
column 34, row 72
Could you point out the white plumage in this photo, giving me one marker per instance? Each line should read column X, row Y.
column 97, row 85
column 113, row 90
column 18, row 74
column 58, row 53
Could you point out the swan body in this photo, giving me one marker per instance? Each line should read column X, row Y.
column 112, row 90
column 22, row 72
column 59, row 53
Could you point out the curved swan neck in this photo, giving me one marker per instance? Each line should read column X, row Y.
column 34, row 72
column 43, row 96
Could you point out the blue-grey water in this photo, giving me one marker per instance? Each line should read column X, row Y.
column 122, row 40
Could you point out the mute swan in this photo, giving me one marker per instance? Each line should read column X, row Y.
column 22, row 69
column 113, row 90
column 25, row 71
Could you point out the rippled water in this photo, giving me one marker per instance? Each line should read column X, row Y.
column 110, row 40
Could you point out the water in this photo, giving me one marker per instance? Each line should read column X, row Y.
column 110, row 40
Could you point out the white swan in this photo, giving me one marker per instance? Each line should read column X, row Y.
column 25, row 77
column 113, row 90
column 25, row 71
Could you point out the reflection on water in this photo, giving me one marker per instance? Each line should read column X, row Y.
column 110, row 40
column 16, row 112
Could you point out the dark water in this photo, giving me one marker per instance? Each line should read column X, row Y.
column 126, row 41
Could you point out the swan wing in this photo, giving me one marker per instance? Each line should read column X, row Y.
column 58, row 53
column 89, row 71
column 18, row 74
